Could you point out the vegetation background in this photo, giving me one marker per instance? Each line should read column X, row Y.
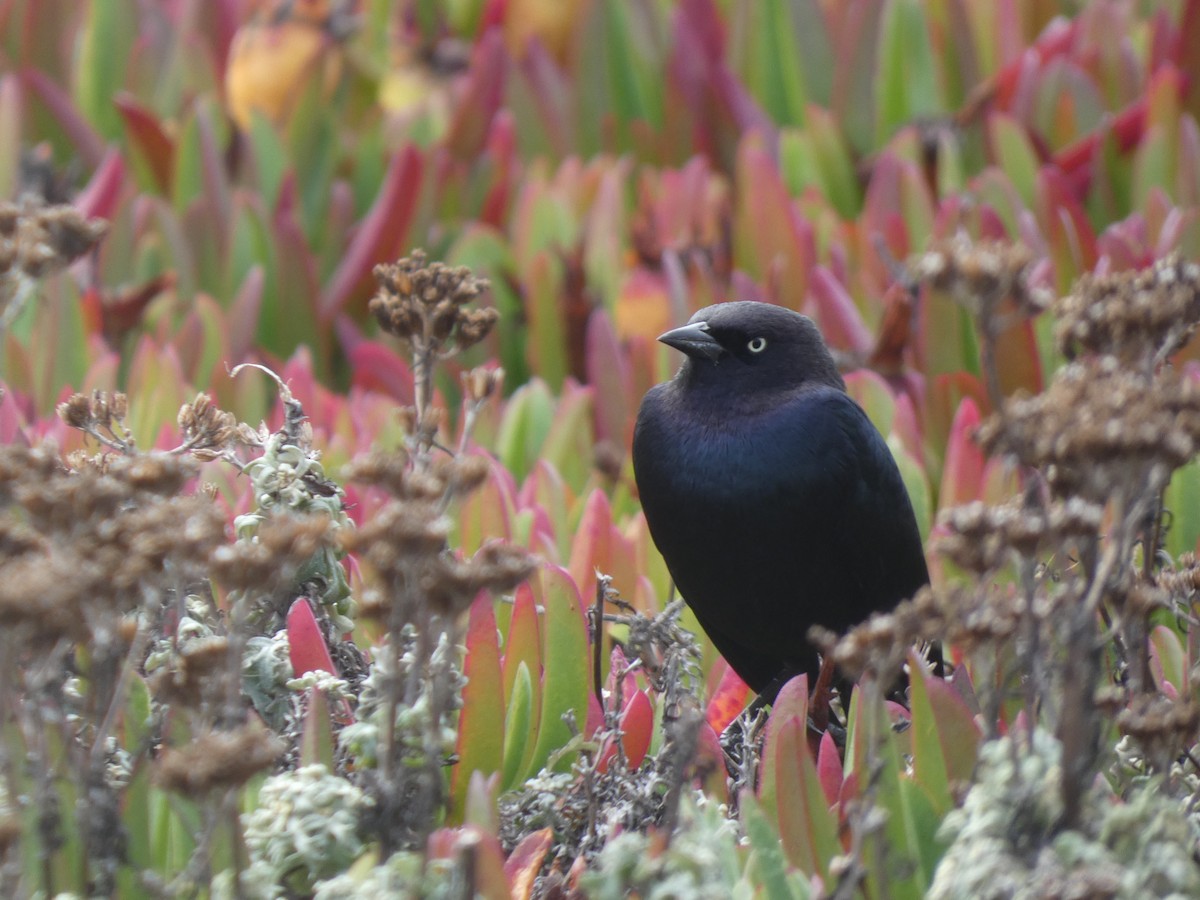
column 410, row 636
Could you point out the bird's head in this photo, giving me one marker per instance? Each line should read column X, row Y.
column 747, row 346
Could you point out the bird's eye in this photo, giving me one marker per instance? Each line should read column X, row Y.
column 757, row 345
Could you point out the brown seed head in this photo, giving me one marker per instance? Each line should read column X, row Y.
column 1134, row 316
column 219, row 759
column 423, row 303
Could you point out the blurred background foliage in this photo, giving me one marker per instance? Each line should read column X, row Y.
column 609, row 167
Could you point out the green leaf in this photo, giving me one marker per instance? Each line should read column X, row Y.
column 270, row 157
column 916, row 482
column 528, row 416
column 519, row 741
column 566, row 673
column 772, row 241
column 486, row 514
column 767, row 863
column 902, row 845
column 485, row 252
column 570, row 441
column 135, row 819
column 769, row 59
column 481, row 730
column 1167, row 652
column 906, row 82
column 156, row 391
column 1182, row 500
column 834, row 163
column 109, row 31
column 523, row 641
column 547, row 336
column 136, row 723
column 945, row 738
column 205, row 357
column 807, row 829
column 1015, row 155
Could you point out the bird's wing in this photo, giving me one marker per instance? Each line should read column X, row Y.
column 769, row 524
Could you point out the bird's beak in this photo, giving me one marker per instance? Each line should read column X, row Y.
column 694, row 340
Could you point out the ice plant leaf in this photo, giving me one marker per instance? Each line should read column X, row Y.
column 308, row 650
column 524, row 642
column 153, row 146
column 728, row 700
column 807, row 830
column 791, row 703
column 608, row 371
column 829, row 768
column 525, row 862
column 872, row 755
column 840, row 321
column 381, row 234
column 481, row 735
column 945, row 736
column 962, row 475
column 99, row 198
column 1167, row 661
column 306, row 644
column 768, row 863
column 520, row 735
column 480, row 99
column 637, row 725
column 566, row 674
column 486, row 514
column 105, row 43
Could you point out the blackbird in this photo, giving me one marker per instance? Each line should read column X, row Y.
column 772, row 497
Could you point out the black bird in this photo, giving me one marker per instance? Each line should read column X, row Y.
column 773, row 499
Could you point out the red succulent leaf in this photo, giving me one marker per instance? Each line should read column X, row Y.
column 829, row 768
column 99, row 198
column 727, row 701
column 525, row 862
column 637, row 726
column 309, row 652
column 151, row 140
column 382, row 235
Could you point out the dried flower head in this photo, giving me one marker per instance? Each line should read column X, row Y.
column 481, row 383
column 452, row 584
column 186, row 678
column 981, row 275
column 269, row 562
column 965, row 616
column 1100, row 426
column 83, row 548
column 982, row 538
column 443, row 477
column 1135, row 316
column 38, row 240
column 205, row 428
column 1162, row 727
column 1182, row 581
column 219, row 759
column 101, row 415
column 425, row 303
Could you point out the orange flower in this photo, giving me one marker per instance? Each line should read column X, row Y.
column 553, row 22
column 277, row 54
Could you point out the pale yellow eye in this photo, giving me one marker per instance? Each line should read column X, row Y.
column 757, row 345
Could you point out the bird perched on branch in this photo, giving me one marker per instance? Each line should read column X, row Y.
column 773, row 499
